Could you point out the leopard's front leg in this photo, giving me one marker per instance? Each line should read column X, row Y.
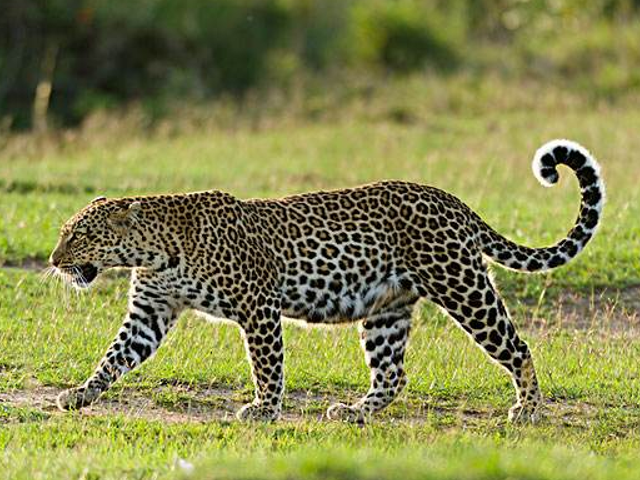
column 148, row 321
column 263, row 341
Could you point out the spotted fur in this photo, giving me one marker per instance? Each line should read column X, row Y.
column 363, row 255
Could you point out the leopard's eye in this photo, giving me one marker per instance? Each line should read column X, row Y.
column 75, row 235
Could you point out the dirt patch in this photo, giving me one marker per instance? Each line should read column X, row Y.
column 129, row 403
column 184, row 405
column 610, row 310
column 169, row 404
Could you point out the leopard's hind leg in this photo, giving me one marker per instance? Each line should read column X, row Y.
column 473, row 302
column 383, row 337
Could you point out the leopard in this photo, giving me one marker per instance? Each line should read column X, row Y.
column 363, row 255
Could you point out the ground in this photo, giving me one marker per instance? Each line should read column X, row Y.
column 581, row 321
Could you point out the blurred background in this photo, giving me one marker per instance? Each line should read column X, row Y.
column 264, row 98
column 68, row 63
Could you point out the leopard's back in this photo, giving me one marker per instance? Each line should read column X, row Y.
column 343, row 252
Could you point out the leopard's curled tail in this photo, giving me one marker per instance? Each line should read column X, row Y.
column 545, row 161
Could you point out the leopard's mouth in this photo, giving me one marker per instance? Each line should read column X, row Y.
column 80, row 275
column 89, row 272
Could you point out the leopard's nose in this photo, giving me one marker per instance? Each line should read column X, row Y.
column 56, row 257
column 54, row 261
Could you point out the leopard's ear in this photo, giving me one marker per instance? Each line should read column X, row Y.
column 98, row 199
column 123, row 219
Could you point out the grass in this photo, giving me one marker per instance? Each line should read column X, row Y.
column 119, row 448
column 450, row 422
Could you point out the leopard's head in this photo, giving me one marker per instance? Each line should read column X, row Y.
column 104, row 234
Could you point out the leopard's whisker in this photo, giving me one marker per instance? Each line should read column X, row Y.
column 77, row 279
column 44, row 276
column 82, row 280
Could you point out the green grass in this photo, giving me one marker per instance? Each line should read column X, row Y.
column 123, row 448
column 115, row 447
column 450, row 422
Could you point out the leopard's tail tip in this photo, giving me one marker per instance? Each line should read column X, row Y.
column 565, row 152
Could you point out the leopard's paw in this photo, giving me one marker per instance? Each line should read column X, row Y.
column 257, row 412
column 76, row 398
column 523, row 414
column 347, row 413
